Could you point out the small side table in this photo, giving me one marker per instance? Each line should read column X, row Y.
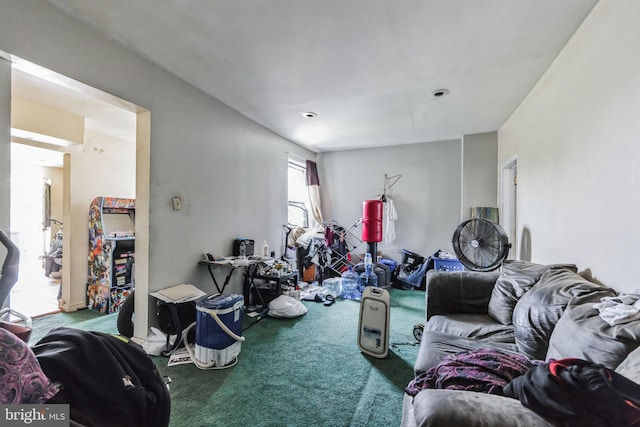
column 276, row 281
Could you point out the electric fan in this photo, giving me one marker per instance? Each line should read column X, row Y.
column 480, row 244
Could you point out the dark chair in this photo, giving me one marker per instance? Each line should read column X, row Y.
column 8, row 278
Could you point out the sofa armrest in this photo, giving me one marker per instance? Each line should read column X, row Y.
column 458, row 292
column 454, row 408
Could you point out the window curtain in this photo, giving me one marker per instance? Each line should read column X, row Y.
column 313, row 184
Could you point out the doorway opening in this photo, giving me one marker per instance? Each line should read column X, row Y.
column 509, row 186
column 36, row 292
column 69, row 144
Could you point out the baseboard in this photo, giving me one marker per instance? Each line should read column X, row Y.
column 73, row 307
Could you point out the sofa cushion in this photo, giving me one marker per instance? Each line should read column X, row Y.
column 455, row 408
column 630, row 366
column 465, row 291
column 516, row 278
column 537, row 312
column 581, row 333
column 472, row 326
column 435, row 346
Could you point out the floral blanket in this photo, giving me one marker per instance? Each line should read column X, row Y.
column 21, row 378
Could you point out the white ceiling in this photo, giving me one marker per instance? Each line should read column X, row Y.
column 366, row 67
column 29, row 81
column 100, row 115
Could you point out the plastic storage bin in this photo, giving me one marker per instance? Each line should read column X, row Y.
column 389, row 263
column 412, row 258
column 411, row 272
column 332, row 286
column 447, row 264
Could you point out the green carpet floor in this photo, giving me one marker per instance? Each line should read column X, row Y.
column 306, row 371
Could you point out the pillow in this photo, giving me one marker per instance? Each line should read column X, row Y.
column 581, row 333
column 516, row 278
column 21, row 378
column 630, row 366
column 538, row 311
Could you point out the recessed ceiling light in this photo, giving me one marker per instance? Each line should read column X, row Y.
column 309, row 115
column 439, row 93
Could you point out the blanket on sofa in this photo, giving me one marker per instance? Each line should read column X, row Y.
column 483, row 370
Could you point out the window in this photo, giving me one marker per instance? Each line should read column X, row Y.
column 298, row 196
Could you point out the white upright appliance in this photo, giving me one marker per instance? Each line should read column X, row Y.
column 373, row 328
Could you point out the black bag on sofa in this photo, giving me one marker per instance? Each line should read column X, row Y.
column 107, row 380
column 576, row 392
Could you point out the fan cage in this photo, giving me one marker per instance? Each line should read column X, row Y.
column 480, row 244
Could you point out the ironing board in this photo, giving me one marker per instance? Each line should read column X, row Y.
column 231, row 263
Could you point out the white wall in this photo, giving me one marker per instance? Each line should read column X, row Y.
column 438, row 186
column 576, row 138
column 480, row 172
column 5, row 146
column 27, row 185
column 230, row 172
column 427, row 197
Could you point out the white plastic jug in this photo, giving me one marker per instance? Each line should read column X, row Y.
column 349, row 282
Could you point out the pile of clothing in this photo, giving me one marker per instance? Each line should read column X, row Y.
column 567, row 392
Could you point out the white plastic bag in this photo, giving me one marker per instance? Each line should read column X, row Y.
column 156, row 342
column 286, row 306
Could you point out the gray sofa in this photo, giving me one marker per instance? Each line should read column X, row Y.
column 540, row 311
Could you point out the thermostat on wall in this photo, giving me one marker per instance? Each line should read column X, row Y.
column 177, row 204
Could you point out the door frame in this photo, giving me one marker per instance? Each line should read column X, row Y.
column 508, row 202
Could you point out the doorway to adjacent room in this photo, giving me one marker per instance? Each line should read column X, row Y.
column 509, row 186
column 66, row 140
column 36, row 292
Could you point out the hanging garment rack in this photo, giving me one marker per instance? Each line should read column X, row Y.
column 340, row 261
column 389, row 181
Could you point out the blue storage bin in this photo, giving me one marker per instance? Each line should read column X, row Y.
column 389, row 263
column 412, row 258
column 447, row 264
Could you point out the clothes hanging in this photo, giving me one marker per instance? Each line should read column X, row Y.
column 390, row 217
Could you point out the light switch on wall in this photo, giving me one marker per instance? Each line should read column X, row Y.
column 177, row 204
